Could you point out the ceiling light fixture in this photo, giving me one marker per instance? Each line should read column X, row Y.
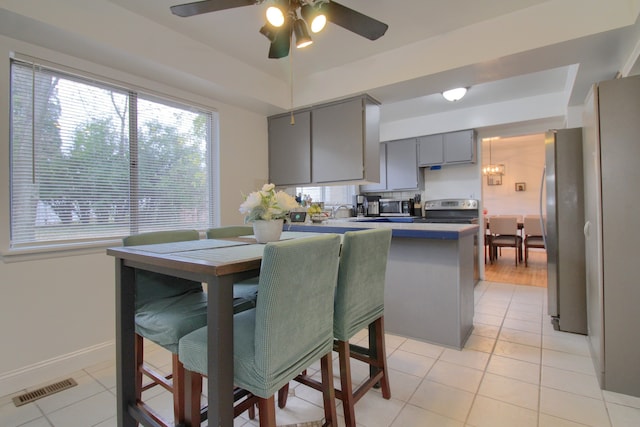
column 491, row 169
column 275, row 15
column 314, row 17
column 303, row 39
column 269, row 31
column 453, row 95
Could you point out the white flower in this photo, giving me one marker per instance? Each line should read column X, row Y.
column 266, row 204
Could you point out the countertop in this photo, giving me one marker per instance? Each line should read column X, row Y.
column 399, row 229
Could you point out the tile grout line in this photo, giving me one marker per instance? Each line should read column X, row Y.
column 484, row 371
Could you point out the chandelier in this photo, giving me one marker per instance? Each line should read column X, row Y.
column 491, row 168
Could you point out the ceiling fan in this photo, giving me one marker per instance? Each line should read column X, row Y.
column 286, row 18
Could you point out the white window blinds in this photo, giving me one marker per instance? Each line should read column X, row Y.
column 91, row 161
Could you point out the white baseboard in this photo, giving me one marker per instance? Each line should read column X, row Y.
column 28, row 377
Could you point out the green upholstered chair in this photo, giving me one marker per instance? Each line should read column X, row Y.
column 247, row 289
column 290, row 328
column 229, row 231
column 166, row 309
column 359, row 303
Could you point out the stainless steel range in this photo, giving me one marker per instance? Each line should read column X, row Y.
column 450, row 211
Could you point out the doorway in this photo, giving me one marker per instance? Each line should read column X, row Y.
column 521, row 160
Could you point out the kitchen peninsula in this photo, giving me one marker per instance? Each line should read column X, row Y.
column 430, row 278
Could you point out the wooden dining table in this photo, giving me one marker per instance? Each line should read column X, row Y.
column 219, row 264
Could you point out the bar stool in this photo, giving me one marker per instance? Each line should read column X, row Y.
column 290, row 328
column 166, row 309
column 359, row 303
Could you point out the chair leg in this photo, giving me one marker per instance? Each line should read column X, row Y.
column 283, row 393
column 381, row 357
column 192, row 392
column 328, row 392
column 178, row 389
column 346, row 386
column 267, row 412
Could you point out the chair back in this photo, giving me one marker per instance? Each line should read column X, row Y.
column 294, row 309
column 504, row 225
column 229, row 231
column 152, row 286
column 359, row 298
column 532, row 225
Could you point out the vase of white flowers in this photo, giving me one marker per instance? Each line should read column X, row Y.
column 267, row 210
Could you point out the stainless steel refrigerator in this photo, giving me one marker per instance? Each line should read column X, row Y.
column 563, row 231
column 612, row 208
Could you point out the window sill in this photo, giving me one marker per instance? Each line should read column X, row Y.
column 33, row 253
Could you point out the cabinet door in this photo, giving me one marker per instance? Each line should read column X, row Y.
column 430, row 150
column 402, row 167
column 459, row 147
column 338, row 142
column 383, row 172
column 290, row 149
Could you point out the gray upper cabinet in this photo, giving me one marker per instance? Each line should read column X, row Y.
column 430, row 150
column 290, row 149
column 382, row 185
column 398, row 167
column 447, row 148
column 460, row 147
column 402, row 167
column 335, row 143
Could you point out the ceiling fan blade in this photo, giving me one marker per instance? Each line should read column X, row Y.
column 356, row 22
column 199, row 7
column 279, row 48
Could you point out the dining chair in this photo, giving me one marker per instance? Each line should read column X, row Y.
column 166, row 309
column 359, row 303
column 229, row 231
column 290, row 328
column 532, row 235
column 487, row 241
column 248, row 288
column 504, row 233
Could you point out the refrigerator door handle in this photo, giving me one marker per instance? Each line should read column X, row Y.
column 542, row 222
column 587, row 229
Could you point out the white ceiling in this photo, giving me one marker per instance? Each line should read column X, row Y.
column 502, row 49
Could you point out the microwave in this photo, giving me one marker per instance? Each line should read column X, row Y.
column 394, row 207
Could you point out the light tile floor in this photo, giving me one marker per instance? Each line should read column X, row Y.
column 514, row 371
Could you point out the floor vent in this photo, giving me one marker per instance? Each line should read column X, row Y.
column 48, row 390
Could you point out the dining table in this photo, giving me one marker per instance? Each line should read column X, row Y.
column 217, row 262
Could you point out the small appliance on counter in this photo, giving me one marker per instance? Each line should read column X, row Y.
column 371, row 205
column 359, row 201
column 394, row 207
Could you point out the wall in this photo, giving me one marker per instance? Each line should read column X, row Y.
column 57, row 308
column 523, row 158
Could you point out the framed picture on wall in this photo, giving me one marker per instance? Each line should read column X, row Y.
column 494, row 179
column 521, row 186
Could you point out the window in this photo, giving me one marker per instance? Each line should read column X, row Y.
column 330, row 195
column 93, row 161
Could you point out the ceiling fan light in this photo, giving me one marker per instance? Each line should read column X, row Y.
column 453, row 95
column 303, row 39
column 314, row 17
column 275, row 16
column 269, row 31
